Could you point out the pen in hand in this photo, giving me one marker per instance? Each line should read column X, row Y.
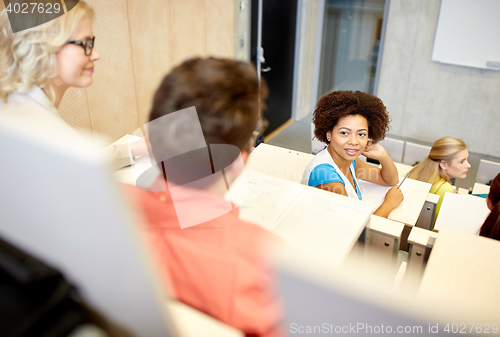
column 402, row 181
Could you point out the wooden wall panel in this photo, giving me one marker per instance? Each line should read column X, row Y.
column 219, row 28
column 188, row 29
column 151, row 41
column 112, row 96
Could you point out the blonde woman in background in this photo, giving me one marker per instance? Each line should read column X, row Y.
column 39, row 64
column 447, row 159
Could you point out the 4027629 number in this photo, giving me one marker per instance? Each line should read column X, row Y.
column 33, row 7
column 476, row 328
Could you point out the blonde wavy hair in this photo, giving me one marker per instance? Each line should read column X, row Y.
column 429, row 170
column 28, row 57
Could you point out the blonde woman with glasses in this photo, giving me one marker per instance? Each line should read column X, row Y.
column 39, row 64
column 447, row 159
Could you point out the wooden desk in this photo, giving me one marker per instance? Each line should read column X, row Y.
column 383, row 238
column 463, row 272
column 456, row 289
column 403, row 169
column 190, row 322
column 409, row 210
column 141, row 174
column 288, row 164
column 278, row 162
column 465, row 213
column 421, row 242
column 312, row 221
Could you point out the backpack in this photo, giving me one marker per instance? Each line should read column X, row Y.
column 35, row 299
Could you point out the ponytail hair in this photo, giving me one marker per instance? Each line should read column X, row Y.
column 429, row 169
column 491, row 226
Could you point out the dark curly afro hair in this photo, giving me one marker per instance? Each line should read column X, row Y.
column 335, row 105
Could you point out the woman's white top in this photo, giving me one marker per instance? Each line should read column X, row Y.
column 323, row 170
column 35, row 113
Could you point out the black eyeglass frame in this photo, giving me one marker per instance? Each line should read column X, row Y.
column 84, row 45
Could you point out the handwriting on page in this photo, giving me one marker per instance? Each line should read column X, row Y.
column 322, row 224
column 267, row 197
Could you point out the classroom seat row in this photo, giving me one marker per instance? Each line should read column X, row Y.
column 409, row 153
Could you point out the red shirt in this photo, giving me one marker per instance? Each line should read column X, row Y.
column 219, row 266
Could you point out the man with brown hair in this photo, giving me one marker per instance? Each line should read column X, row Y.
column 200, row 130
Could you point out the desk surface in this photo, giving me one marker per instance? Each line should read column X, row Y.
column 288, row 164
column 421, row 236
column 409, row 210
column 278, row 162
column 310, row 220
column 463, row 272
column 390, row 228
column 465, row 213
column 190, row 322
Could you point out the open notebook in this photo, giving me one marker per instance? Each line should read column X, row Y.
column 308, row 219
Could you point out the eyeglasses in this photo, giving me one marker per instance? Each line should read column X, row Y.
column 87, row 45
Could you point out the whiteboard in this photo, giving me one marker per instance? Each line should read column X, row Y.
column 467, row 34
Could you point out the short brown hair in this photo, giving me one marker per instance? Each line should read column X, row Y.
column 226, row 95
column 335, row 105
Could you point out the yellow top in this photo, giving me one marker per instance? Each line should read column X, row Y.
column 440, row 188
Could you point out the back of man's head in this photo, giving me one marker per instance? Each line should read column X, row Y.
column 226, row 95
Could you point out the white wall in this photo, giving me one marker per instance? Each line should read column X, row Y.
column 304, row 96
column 427, row 100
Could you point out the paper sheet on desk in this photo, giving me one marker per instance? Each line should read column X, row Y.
column 261, row 198
column 310, row 220
column 130, row 174
column 141, row 174
column 409, row 210
column 375, row 193
column 462, row 212
column 321, row 223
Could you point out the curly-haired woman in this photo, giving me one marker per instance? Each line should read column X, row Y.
column 352, row 123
